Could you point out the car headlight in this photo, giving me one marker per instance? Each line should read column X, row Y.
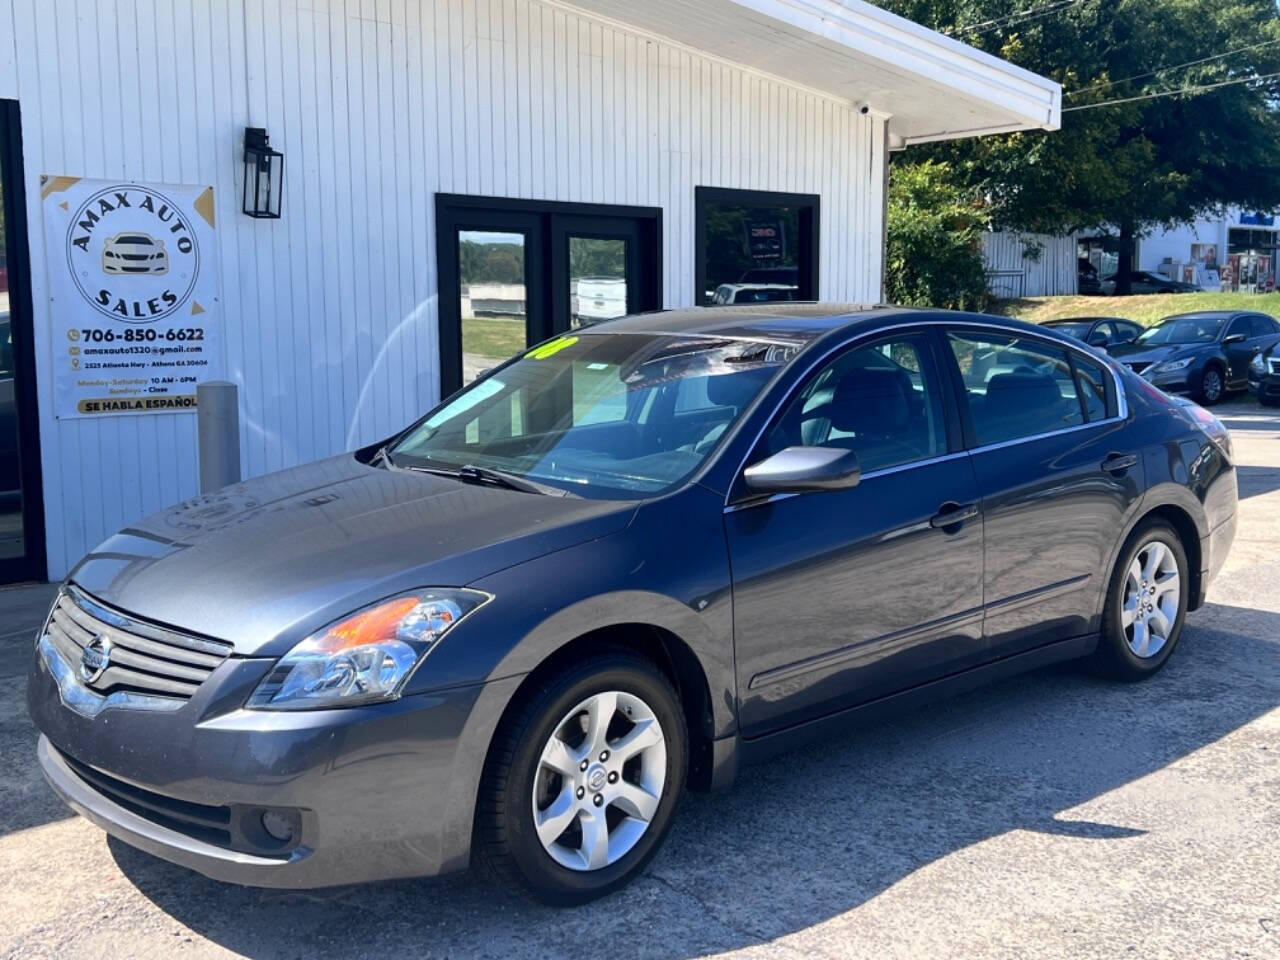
column 366, row 656
column 1171, row 365
column 1257, row 366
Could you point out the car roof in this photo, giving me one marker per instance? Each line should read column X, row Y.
column 1206, row 315
column 1058, row 321
column 793, row 322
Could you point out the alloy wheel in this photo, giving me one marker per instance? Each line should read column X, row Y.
column 1212, row 385
column 599, row 781
column 1152, row 591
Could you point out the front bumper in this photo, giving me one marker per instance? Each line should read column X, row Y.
column 1176, row 381
column 1268, row 388
column 379, row 791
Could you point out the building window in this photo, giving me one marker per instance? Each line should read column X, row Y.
column 755, row 246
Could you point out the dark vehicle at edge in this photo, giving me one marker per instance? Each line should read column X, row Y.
column 1144, row 281
column 1103, row 332
column 1264, row 375
column 1204, row 354
column 629, row 560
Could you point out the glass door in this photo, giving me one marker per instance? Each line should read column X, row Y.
column 600, row 270
column 21, row 508
column 514, row 272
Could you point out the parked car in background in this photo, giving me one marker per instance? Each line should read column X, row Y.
column 1102, row 332
column 598, row 298
column 1264, row 375
column 1143, row 281
column 728, row 293
column 1087, row 282
column 517, row 639
column 1205, row 354
column 784, row 276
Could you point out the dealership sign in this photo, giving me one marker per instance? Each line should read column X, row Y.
column 133, row 290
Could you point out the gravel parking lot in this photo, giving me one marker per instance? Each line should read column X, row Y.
column 1054, row 815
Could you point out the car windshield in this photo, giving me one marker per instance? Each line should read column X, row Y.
column 1183, row 330
column 1077, row 330
column 606, row 415
column 133, row 238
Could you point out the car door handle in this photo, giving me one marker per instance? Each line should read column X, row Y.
column 1119, row 462
column 952, row 515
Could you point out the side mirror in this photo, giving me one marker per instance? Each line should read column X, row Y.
column 1098, row 340
column 1234, row 338
column 798, row 469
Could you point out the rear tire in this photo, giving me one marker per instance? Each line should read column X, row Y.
column 571, row 835
column 1146, row 604
column 1269, row 401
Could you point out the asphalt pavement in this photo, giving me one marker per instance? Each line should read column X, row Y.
column 1052, row 815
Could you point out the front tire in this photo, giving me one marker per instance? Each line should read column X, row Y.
column 582, row 781
column 1212, row 386
column 1146, row 604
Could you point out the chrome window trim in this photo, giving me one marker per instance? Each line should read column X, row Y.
column 1122, row 403
column 77, row 697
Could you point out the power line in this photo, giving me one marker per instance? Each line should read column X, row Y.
column 1172, row 93
column 1189, row 63
column 1031, row 13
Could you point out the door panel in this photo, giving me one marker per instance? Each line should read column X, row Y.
column 1042, row 430
column 846, row 596
column 1052, row 515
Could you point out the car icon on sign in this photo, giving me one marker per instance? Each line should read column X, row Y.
column 134, row 253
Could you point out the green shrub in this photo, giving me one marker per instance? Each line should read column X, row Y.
column 933, row 256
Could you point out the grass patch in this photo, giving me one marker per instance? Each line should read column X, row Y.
column 1146, row 310
column 496, row 337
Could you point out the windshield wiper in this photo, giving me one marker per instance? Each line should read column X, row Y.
column 498, row 478
column 384, row 455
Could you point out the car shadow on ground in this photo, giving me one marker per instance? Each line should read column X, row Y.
column 810, row 835
column 1255, row 481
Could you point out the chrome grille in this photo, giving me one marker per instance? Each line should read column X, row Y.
column 1275, row 364
column 144, row 658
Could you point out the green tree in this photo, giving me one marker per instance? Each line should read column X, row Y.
column 933, row 256
column 1126, row 167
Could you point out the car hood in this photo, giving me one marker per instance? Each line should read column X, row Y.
column 263, row 563
column 1141, row 353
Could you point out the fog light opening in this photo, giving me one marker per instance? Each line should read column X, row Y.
column 278, row 826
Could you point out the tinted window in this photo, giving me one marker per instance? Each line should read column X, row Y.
column 1092, row 387
column 1240, row 327
column 1016, row 387
column 1262, row 326
column 881, row 401
column 1128, row 331
column 1189, row 329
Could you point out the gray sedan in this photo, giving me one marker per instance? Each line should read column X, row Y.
column 630, row 560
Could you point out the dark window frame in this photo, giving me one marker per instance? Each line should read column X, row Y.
column 543, row 257
column 961, row 395
column 33, row 564
column 809, row 209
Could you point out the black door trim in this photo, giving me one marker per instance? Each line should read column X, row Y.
column 33, row 565
column 454, row 211
column 809, row 206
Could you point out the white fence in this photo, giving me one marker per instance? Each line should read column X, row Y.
column 1029, row 264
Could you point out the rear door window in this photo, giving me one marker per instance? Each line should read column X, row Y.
column 1016, row 387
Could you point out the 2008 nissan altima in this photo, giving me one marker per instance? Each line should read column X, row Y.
column 622, row 564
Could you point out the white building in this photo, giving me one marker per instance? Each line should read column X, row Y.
column 427, row 145
column 1236, row 251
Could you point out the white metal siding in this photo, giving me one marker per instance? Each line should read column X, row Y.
column 1052, row 273
column 329, row 313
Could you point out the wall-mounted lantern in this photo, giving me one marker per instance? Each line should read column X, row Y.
column 263, row 175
